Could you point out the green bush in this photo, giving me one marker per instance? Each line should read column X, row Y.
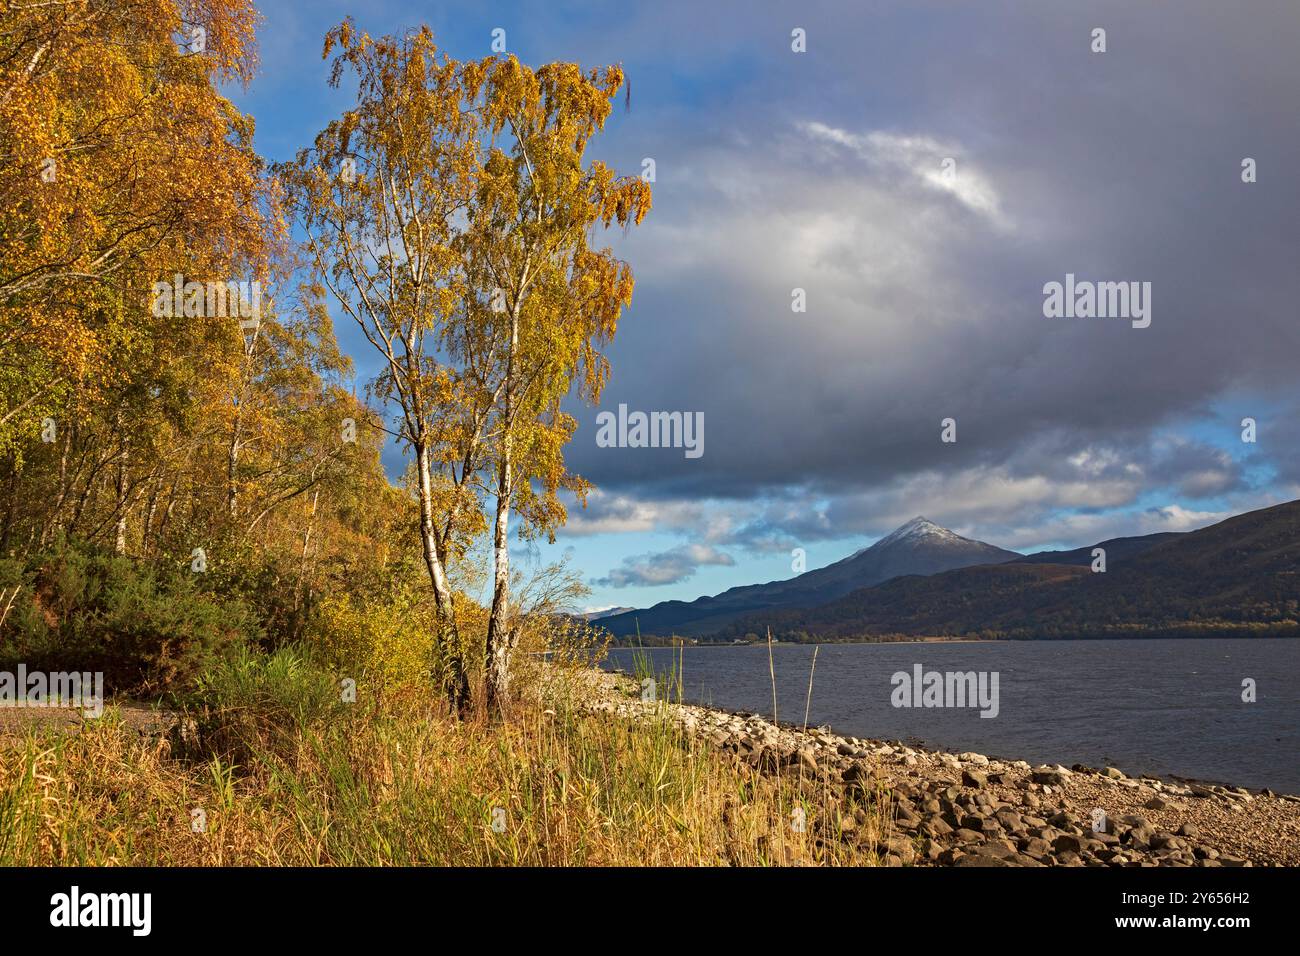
column 144, row 623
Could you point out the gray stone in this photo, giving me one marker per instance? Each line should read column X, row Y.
column 983, row 859
column 935, row 826
column 1010, row 819
column 1138, row 836
column 901, row 848
column 1035, row 847
column 859, row 775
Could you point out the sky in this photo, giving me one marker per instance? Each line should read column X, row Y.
column 920, row 171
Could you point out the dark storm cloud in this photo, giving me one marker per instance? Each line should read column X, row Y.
column 925, row 299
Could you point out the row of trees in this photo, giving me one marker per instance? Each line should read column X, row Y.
column 120, row 164
column 157, row 433
column 450, row 213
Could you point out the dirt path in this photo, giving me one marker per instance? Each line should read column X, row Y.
column 17, row 722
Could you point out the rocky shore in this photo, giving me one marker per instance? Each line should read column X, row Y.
column 969, row 809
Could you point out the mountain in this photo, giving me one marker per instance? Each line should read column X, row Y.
column 1117, row 549
column 1238, row 577
column 918, row 547
column 607, row 612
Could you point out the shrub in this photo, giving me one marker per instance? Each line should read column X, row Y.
column 144, row 623
column 382, row 643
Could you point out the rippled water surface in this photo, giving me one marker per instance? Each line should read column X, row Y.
column 1167, row 707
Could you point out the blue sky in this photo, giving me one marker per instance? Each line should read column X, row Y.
column 821, row 171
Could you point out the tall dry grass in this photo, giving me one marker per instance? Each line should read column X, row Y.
column 287, row 775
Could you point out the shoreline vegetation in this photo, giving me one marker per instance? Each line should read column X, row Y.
column 285, row 774
column 580, row 772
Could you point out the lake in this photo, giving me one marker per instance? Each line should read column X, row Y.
column 1159, row 707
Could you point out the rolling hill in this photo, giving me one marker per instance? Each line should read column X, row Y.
column 1117, row 549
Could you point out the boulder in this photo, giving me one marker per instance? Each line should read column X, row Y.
column 1035, row 847
column 901, row 848
column 1067, row 843
column 859, row 775
column 935, row 827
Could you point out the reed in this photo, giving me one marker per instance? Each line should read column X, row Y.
column 284, row 776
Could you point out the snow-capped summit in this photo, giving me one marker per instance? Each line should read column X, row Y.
column 921, row 529
column 918, row 527
column 918, row 547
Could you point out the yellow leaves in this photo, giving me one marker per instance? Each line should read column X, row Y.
column 133, row 139
column 626, row 200
column 385, row 642
column 462, row 250
column 127, row 165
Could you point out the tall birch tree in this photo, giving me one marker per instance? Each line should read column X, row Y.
column 549, row 295
column 452, row 213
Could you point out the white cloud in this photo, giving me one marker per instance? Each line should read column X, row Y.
column 920, row 158
column 665, row 567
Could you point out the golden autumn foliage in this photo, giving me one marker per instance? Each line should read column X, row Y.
column 151, row 432
column 120, row 164
column 450, row 213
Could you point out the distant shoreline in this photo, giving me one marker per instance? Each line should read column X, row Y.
column 687, row 642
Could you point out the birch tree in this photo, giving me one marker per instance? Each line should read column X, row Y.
column 121, row 162
column 380, row 198
column 550, row 296
column 452, row 213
